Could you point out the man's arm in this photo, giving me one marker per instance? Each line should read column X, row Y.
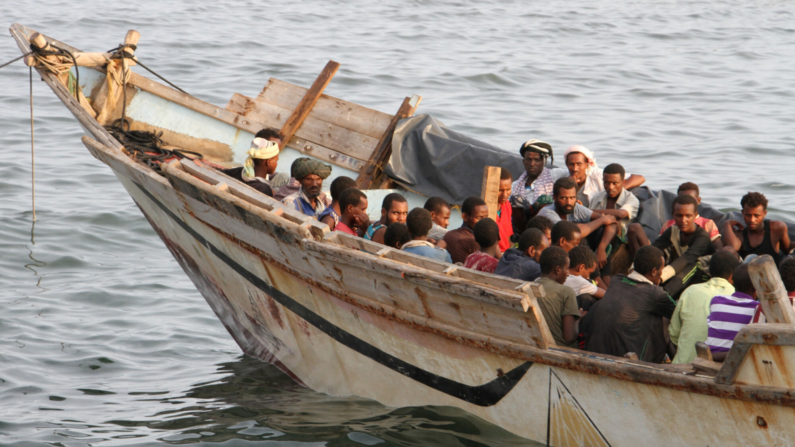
column 717, row 243
column 618, row 214
column 698, row 248
column 590, row 227
column 607, row 236
column 633, row 181
column 729, row 237
column 378, row 235
column 779, row 232
column 569, row 329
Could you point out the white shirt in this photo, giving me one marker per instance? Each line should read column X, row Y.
column 580, row 285
column 626, row 201
column 594, row 182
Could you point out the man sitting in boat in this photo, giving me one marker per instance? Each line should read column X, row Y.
column 523, row 263
column 629, row 318
column 582, row 167
column 487, row 235
column 504, row 212
column 461, row 242
column 440, row 214
column 394, row 208
column 567, row 236
column 419, row 224
column 353, row 204
column 759, row 236
column 263, row 157
column 541, row 223
column 535, row 183
column 558, row 303
column 331, row 215
column 582, row 264
column 309, row 200
column 396, row 235
column 729, row 314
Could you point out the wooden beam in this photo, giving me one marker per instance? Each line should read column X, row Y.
column 374, row 167
column 309, row 100
column 770, row 290
column 490, row 189
column 110, row 92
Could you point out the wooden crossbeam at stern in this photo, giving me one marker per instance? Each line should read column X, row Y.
column 310, row 98
column 371, row 176
column 490, row 189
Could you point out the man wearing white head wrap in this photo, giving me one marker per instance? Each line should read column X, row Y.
column 260, row 165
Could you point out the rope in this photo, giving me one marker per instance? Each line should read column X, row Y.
column 121, row 54
column 32, row 149
column 14, row 60
column 146, row 146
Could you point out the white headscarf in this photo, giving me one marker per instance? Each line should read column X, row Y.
column 261, row 149
column 586, row 152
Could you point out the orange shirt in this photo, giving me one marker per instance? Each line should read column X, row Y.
column 506, row 227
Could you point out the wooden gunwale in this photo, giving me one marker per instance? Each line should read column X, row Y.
column 589, row 363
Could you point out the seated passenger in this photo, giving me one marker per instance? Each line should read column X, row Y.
column 535, row 182
column 566, row 235
column 759, row 236
column 582, row 264
column 263, row 157
column 310, row 200
column 629, row 318
column 440, row 214
column 558, row 304
column 565, row 207
column 332, row 214
column 582, row 168
column 522, row 263
column 615, row 200
column 504, row 212
column 691, row 188
column 461, row 241
column 487, row 235
column 541, row 223
column 353, row 203
column 396, row 235
column 394, row 208
column 729, row 314
column 419, row 224
column 689, row 321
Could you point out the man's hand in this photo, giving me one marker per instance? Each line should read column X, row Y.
column 361, row 221
column 735, row 224
column 601, row 256
column 608, row 219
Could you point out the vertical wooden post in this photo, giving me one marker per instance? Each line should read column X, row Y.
column 770, row 290
column 307, row 102
column 490, row 189
column 109, row 93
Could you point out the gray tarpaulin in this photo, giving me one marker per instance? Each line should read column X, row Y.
column 432, row 160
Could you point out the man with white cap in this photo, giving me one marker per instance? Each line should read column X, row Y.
column 263, row 157
column 582, row 167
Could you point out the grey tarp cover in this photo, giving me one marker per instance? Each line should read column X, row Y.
column 432, row 160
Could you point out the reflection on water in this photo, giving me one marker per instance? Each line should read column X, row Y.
column 255, row 401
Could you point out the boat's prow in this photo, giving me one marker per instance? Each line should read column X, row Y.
column 347, row 316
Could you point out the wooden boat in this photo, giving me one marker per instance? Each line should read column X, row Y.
column 346, row 316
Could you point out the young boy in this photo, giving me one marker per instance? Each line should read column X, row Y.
column 581, row 267
column 396, row 235
column 352, row 203
column 504, row 211
column 487, row 235
column 332, row 214
column 543, row 224
column 440, row 215
column 394, row 208
column 558, row 304
column 419, row 223
column 522, row 263
column 691, row 189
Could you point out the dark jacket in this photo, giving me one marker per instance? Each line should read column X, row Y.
column 629, row 318
column 237, row 174
column 514, row 264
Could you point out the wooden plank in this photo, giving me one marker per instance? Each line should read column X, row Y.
column 308, row 101
column 416, row 260
column 109, row 93
column 706, row 367
column 488, row 278
column 371, row 173
column 703, row 351
column 319, row 132
column 770, row 290
column 490, row 189
column 332, row 110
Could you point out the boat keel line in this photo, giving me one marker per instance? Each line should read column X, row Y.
column 484, row 395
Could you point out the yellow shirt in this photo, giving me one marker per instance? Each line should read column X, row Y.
column 689, row 321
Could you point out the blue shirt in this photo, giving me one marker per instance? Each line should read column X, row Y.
column 428, row 250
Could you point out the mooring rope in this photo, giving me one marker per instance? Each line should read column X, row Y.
column 146, row 146
column 32, row 149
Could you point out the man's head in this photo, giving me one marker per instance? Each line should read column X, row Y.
column 613, row 179
column 419, row 223
column 690, row 189
column 310, row 173
column 473, row 209
column 487, row 233
column 742, row 281
column 722, row 264
column 555, row 264
column 394, row 208
column 542, row 223
column 583, row 261
column 754, row 210
column 440, row 211
column 263, row 157
column 685, row 210
column 532, row 243
column 787, row 272
column 564, row 193
column 505, row 186
column 339, row 185
column 534, row 156
column 649, row 262
column 352, row 203
column 396, row 235
column 577, row 163
column 270, row 135
column 566, row 235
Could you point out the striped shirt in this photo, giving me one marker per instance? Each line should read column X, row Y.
column 727, row 315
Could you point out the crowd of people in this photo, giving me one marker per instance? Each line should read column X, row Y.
column 563, row 227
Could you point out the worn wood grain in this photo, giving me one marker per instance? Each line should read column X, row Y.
column 490, row 189
column 308, row 101
column 770, row 290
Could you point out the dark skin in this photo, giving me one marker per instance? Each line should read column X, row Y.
column 569, row 244
column 577, row 164
column 535, row 252
column 685, row 219
column 565, row 200
column 754, row 218
column 479, row 212
column 350, row 215
column 397, row 212
column 559, row 274
column 442, row 218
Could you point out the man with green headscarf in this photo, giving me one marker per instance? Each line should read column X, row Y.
column 310, row 173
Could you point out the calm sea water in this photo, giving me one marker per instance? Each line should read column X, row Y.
column 103, row 339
